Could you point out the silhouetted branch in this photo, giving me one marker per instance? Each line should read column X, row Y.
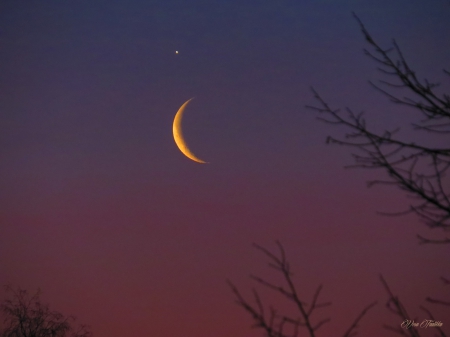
column 417, row 169
column 435, row 301
column 425, row 240
column 351, row 331
column 441, row 332
column 275, row 325
column 396, row 307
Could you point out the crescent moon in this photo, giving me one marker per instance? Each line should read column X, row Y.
column 178, row 135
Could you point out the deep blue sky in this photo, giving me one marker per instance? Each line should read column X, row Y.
column 102, row 211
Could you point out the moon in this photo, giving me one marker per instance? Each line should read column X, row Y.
column 178, row 135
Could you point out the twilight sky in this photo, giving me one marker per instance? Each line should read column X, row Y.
column 100, row 210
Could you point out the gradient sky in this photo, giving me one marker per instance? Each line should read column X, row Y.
column 101, row 211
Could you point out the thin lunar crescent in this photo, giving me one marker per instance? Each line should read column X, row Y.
column 178, row 135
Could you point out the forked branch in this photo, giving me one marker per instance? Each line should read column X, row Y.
column 419, row 170
column 276, row 324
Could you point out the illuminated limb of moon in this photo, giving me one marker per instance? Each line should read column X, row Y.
column 178, row 135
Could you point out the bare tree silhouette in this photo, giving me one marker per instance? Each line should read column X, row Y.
column 276, row 324
column 26, row 316
column 415, row 168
